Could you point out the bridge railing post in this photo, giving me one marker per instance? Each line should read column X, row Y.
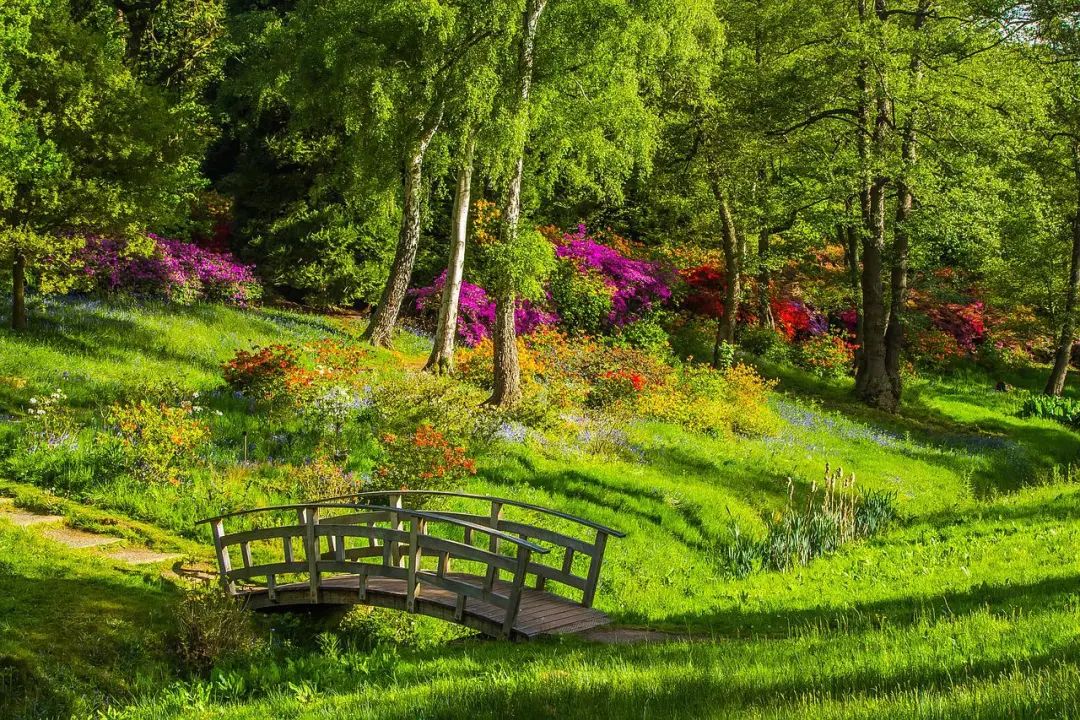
column 514, row 603
column 594, row 569
column 224, row 562
column 312, row 550
column 493, row 545
column 418, row 528
column 395, row 524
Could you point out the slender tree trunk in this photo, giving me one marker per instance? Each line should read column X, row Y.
column 1063, row 357
column 506, row 392
column 765, row 314
column 732, row 271
column 380, row 332
column 905, row 205
column 18, row 292
column 862, row 143
column 442, row 354
column 849, row 236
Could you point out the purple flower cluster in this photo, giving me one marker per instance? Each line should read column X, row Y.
column 476, row 311
column 636, row 285
column 175, row 270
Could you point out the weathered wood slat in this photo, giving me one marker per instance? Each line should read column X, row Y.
column 467, row 552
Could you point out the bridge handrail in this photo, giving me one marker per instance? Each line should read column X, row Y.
column 475, row 527
column 489, row 498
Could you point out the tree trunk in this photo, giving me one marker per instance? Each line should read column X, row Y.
column 905, row 204
column 872, row 382
column 1063, row 357
column 380, row 331
column 849, row 235
column 506, row 392
column 442, row 354
column 765, row 314
column 18, row 292
column 732, row 272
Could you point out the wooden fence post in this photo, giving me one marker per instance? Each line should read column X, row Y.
column 395, row 524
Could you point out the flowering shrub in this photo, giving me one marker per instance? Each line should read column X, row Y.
column 49, row 423
column 476, row 311
column 174, row 270
column 323, row 478
column 710, row 401
column 616, row 386
column 636, row 286
column 827, row 356
column 766, row 343
column 264, row 372
column 797, row 320
column 933, row 346
column 155, row 443
column 425, row 459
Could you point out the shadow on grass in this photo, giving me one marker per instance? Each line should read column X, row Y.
column 69, row 637
column 1005, row 600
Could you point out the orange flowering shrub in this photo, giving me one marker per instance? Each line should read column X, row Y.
column 263, row 372
column 154, row 443
column 827, row 356
column 283, row 372
column 424, row 459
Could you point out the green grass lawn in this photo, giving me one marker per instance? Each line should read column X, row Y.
column 966, row 607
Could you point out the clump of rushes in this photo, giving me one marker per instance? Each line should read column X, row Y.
column 833, row 515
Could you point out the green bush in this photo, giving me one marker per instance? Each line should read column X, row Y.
column 766, row 343
column 826, row 356
column 212, row 628
column 583, row 298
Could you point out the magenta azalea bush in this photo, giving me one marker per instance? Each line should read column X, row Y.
column 174, row 270
column 476, row 311
column 636, row 286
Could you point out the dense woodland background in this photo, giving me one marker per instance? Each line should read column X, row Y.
column 895, row 168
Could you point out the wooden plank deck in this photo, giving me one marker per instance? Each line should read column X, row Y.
column 540, row 613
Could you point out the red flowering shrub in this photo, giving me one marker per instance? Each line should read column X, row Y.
column 613, row 387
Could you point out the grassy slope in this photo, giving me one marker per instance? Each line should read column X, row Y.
column 966, row 609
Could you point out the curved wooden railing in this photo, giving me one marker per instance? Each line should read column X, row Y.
column 566, row 546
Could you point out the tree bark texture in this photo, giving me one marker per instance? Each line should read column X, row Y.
column 380, row 331
column 18, row 292
column 441, row 360
column 1063, row 357
column 506, row 390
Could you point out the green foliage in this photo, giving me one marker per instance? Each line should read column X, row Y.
column 797, row 536
column 827, row 356
column 766, row 343
column 583, row 298
column 1064, row 410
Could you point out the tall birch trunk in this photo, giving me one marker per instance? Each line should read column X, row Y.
column 380, row 332
column 441, row 360
column 506, row 391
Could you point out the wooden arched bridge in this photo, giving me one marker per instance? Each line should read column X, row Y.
column 480, row 569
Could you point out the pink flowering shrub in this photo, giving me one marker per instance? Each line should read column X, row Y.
column 476, row 311
column 635, row 286
column 174, row 270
